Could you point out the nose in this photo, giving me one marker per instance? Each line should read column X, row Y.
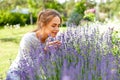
column 57, row 28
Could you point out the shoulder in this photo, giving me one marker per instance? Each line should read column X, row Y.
column 28, row 35
column 27, row 39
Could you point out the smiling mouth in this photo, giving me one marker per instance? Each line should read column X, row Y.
column 55, row 33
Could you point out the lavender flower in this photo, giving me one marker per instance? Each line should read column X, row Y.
column 85, row 54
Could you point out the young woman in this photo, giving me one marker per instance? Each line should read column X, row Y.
column 33, row 45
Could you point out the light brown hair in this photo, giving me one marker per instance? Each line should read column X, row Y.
column 45, row 16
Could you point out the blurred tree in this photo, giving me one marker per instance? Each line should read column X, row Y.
column 77, row 13
column 33, row 7
column 22, row 3
column 36, row 4
column 32, row 4
column 111, row 7
column 11, row 4
column 5, row 5
column 69, row 5
column 115, row 6
column 52, row 4
column 90, row 5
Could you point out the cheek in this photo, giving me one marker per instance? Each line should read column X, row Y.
column 49, row 31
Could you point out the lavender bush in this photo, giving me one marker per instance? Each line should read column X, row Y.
column 85, row 54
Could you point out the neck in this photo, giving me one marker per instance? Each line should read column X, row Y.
column 41, row 36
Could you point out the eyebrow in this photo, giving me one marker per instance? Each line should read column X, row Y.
column 55, row 24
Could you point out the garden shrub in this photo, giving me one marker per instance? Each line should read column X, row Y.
column 89, row 17
column 15, row 18
column 77, row 13
column 116, row 42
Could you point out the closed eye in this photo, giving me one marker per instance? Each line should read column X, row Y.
column 53, row 26
column 56, row 25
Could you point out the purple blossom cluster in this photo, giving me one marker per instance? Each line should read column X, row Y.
column 84, row 54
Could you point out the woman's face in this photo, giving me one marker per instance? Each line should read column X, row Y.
column 52, row 28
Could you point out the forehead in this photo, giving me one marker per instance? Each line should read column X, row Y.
column 55, row 20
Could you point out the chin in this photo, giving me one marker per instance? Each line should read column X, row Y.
column 53, row 36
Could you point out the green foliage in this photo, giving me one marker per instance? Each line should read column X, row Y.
column 115, row 6
column 80, row 7
column 10, row 4
column 34, row 6
column 54, row 5
column 115, row 37
column 112, row 8
column 32, row 3
column 75, row 18
column 89, row 17
column 116, row 41
column 68, row 7
column 105, row 7
column 14, row 18
column 77, row 13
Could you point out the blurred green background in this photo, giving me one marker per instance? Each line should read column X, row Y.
column 24, row 12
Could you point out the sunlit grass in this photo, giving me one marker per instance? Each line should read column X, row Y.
column 9, row 43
